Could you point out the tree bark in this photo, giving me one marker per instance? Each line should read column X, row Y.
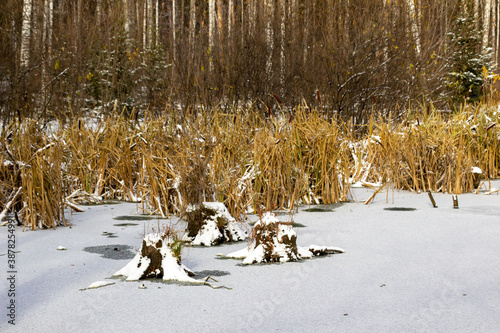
column 211, row 30
column 269, row 14
column 282, row 46
column 26, row 33
column 192, row 25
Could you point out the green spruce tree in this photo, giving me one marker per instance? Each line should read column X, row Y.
column 467, row 59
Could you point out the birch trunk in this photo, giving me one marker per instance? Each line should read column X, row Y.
column 26, row 33
column 486, row 19
column 174, row 33
column 414, row 23
column 144, row 24
column 151, row 23
column 230, row 19
column 269, row 14
column 282, row 46
column 126, row 11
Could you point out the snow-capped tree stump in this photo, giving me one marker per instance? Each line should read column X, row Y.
column 477, row 174
column 159, row 257
column 211, row 224
column 275, row 241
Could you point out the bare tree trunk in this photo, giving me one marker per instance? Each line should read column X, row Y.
column 192, row 24
column 282, row 46
column 157, row 22
column 230, row 20
column 77, row 24
column 252, row 20
column 145, row 24
column 126, row 13
column 269, row 14
column 26, row 33
column 414, row 23
column 47, row 34
column 98, row 12
column 220, row 20
column 211, row 28
column 486, row 19
column 496, row 35
column 174, row 32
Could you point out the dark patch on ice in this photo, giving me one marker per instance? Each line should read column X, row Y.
column 125, row 224
column 203, row 274
column 105, row 202
column 317, row 210
column 400, row 209
column 225, row 258
column 116, row 252
column 109, row 234
column 324, row 208
column 136, row 218
column 282, row 213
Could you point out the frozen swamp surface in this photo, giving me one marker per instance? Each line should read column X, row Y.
column 408, row 267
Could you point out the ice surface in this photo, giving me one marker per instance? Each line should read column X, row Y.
column 428, row 270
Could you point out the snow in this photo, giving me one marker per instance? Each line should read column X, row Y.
column 210, row 234
column 477, row 170
column 255, row 254
column 428, row 270
column 172, row 270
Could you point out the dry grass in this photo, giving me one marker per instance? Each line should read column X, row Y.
column 431, row 152
column 240, row 158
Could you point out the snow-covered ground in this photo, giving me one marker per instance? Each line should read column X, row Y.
column 422, row 270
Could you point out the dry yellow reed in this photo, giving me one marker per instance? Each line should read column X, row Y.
column 239, row 158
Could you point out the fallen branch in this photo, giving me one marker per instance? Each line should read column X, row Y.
column 8, row 205
column 73, row 206
column 492, row 191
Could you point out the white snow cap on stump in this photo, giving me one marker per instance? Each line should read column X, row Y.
column 210, row 233
column 156, row 259
column 275, row 241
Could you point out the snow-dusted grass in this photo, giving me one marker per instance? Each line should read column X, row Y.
column 426, row 270
column 241, row 159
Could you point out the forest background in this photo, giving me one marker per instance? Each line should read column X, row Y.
column 351, row 59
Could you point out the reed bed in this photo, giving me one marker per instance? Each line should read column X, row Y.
column 242, row 158
column 431, row 152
